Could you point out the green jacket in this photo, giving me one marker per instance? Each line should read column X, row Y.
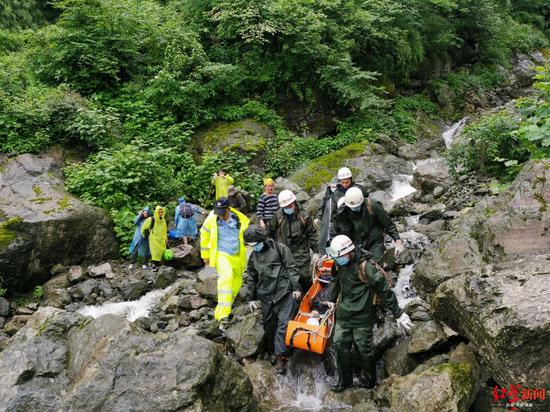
column 355, row 308
column 363, row 228
column 297, row 232
column 272, row 273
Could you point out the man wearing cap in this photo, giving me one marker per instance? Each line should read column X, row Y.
column 236, row 199
column 290, row 227
column 272, row 286
column 335, row 191
column 222, row 247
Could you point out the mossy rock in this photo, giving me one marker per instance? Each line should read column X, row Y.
column 320, row 171
column 242, row 136
column 8, row 231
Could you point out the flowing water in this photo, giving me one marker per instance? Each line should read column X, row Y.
column 403, row 289
column 401, row 187
column 453, row 131
column 131, row 310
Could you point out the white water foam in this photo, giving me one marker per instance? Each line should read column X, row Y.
column 131, row 310
column 401, row 187
column 412, row 220
column 403, row 289
column 453, row 131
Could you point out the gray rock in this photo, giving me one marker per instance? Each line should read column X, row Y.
column 434, row 212
column 426, row 336
column 75, row 274
column 397, row 359
column 246, row 335
column 132, row 288
column 104, row 269
column 186, row 256
column 207, row 284
column 23, row 310
column 165, row 277
column 2, row 322
column 438, row 191
column 58, row 298
column 84, row 289
column 55, row 283
column 384, row 336
column 105, row 289
column 57, row 269
column 189, row 302
column 48, row 226
column 444, row 387
column 4, row 340
column 431, row 173
column 4, row 307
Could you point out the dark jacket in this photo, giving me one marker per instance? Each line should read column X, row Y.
column 295, row 231
column 237, row 201
column 364, row 229
column 272, row 273
column 326, row 294
column 356, row 309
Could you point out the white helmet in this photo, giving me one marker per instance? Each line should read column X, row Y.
column 340, row 245
column 344, row 173
column 286, row 197
column 354, row 197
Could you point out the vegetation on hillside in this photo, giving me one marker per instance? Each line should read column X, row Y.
column 130, row 81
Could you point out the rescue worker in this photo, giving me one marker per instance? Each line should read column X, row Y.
column 222, row 181
column 333, row 194
column 155, row 230
column 365, row 221
column 222, row 247
column 272, row 285
column 356, row 282
column 290, row 227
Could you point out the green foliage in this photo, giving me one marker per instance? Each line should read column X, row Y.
column 21, row 14
column 3, row 292
column 38, row 292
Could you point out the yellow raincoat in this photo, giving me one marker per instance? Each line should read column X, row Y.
column 230, row 268
column 158, row 235
column 222, row 184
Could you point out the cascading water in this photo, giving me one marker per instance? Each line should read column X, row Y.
column 131, row 310
column 403, row 289
column 453, row 131
column 401, row 187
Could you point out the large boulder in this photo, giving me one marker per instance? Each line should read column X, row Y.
column 489, row 278
column 246, row 333
column 186, row 256
column 41, row 225
column 64, row 361
column 443, row 387
column 371, row 165
column 246, row 137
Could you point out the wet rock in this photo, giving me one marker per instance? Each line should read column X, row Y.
column 46, row 225
column 384, row 336
column 16, row 324
column 55, row 283
column 438, row 191
column 246, row 335
column 83, row 289
column 4, row 307
column 172, row 326
column 23, row 310
column 263, row 377
column 207, row 284
column 368, row 406
column 105, row 289
column 75, row 274
column 165, row 277
column 509, row 307
column 102, row 270
column 132, row 288
column 57, row 269
column 58, row 298
column 2, row 322
column 430, row 174
column 397, row 359
column 434, row 212
column 186, row 256
column 351, row 397
column 4, row 340
column 444, row 387
column 190, row 302
column 426, row 336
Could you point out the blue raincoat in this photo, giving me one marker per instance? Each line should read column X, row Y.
column 185, row 226
column 138, row 241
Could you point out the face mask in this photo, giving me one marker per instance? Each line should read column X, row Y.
column 288, row 210
column 356, row 209
column 333, row 189
column 258, row 246
column 342, row 260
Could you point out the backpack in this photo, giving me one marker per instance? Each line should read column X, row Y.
column 247, row 199
column 150, row 228
column 186, row 210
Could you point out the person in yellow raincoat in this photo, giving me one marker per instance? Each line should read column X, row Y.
column 222, row 247
column 155, row 230
column 222, row 182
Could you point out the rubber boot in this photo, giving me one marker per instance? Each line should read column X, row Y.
column 280, row 367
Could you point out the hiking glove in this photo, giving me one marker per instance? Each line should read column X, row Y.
column 254, row 305
column 404, row 322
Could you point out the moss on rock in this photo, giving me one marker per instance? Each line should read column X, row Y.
column 321, row 170
column 7, row 231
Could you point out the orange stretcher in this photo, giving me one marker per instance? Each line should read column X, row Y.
column 300, row 334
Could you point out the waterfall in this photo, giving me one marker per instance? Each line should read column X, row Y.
column 403, row 289
column 453, row 131
column 401, row 187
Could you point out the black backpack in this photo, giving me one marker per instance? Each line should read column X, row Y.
column 186, row 210
column 150, row 228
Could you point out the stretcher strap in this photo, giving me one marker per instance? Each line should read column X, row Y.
column 295, row 331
